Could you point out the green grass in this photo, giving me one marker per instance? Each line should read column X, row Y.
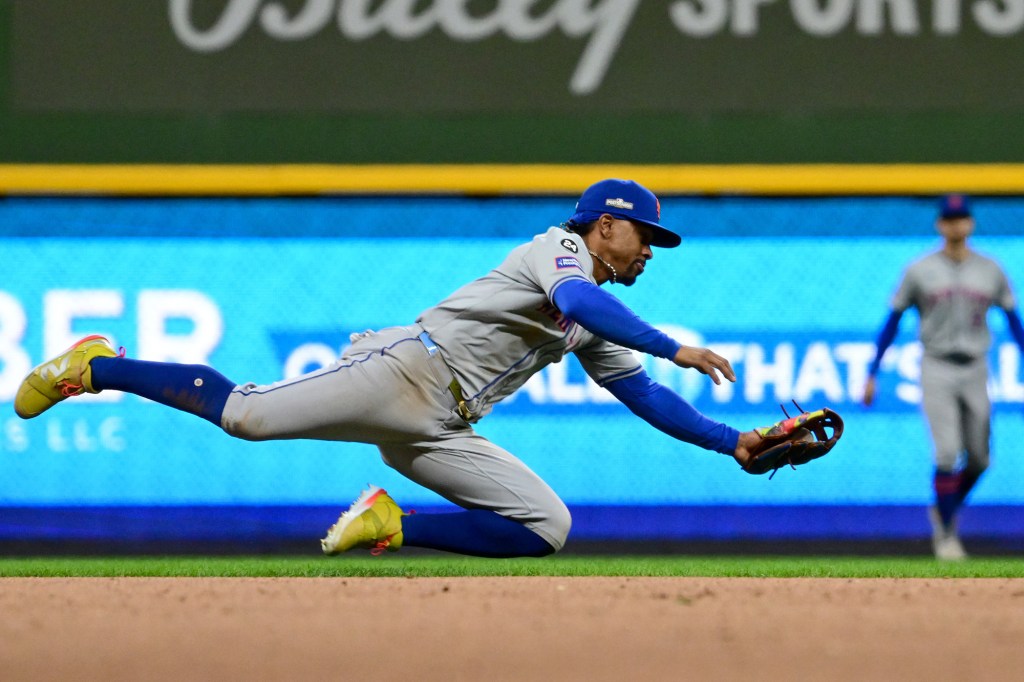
column 398, row 566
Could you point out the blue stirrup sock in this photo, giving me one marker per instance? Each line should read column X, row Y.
column 474, row 532
column 947, row 494
column 197, row 389
column 968, row 477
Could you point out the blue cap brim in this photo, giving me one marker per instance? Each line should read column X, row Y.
column 663, row 237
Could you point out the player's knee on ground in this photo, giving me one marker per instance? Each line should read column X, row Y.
column 555, row 526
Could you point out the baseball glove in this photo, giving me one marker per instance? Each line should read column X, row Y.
column 794, row 440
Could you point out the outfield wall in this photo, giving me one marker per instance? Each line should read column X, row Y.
column 266, row 288
column 562, row 81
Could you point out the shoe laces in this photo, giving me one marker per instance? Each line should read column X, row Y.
column 382, row 545
column 68, row 389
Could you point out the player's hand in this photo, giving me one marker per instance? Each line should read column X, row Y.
column 869, row 392
column 747, row 440
column 705, row 362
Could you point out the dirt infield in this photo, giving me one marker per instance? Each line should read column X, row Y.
column 494, row 629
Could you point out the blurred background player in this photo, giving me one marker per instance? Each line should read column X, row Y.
column 952, row 289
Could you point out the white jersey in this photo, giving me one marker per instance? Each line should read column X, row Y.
column 953, row 300
column 498, row 331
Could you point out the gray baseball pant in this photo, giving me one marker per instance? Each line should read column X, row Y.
column 957, row 406
column 387, row 390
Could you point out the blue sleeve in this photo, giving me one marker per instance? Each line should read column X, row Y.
column 885, row 339
column 666, row 411
column 605, row 316
column 1016, row 329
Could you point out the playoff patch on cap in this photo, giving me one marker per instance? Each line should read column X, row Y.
column 620, row 203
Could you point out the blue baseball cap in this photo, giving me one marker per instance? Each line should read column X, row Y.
column 954, row 206
column 626, row 200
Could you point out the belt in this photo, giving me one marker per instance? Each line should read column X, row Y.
column 959, row 358
column 455, row 387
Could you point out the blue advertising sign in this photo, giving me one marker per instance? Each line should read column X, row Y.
column 262, row 309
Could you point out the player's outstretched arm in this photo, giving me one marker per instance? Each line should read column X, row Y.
column 794, row 440
column 665, row 410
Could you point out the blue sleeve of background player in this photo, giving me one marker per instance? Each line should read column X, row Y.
column 1016, row 329
column 666, row 411
column 885, row 339
column 605, row 316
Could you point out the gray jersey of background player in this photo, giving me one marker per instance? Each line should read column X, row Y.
column 952, row 289
column 415, row 391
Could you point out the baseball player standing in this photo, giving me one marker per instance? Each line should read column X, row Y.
column 415, row 391
column 952, row 290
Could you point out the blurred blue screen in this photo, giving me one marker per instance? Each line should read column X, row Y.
column 792, row 291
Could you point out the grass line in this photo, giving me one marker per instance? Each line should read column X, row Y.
column 449, row 567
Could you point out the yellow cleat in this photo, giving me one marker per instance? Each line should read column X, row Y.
column 373, row 521
column 69, row 374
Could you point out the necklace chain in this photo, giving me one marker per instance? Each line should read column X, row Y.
column 606, row 264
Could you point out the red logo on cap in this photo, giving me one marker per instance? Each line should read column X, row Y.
column 657, row 205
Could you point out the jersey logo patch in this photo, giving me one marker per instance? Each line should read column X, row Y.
column 571, row 245
column 563, row 262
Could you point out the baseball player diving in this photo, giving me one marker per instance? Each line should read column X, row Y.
column 416, row 391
